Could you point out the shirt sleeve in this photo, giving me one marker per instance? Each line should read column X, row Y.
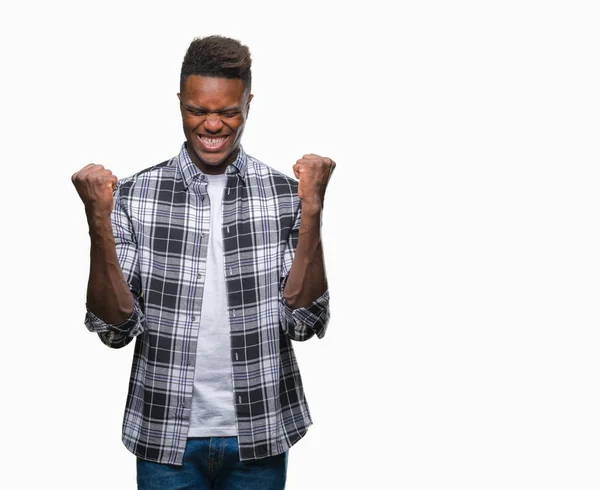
column 301, row 323
column 120, row 334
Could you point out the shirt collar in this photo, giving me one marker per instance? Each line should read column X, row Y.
column 189, row 171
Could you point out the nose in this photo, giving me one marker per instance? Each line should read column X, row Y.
column 213, row 123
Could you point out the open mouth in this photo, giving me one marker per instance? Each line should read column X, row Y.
column 212, row 143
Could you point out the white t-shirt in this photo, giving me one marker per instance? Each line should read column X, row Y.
column 213, row 409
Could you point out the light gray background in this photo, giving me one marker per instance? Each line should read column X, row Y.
column 461, row 229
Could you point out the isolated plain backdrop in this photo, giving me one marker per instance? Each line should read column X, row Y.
column 460, row 229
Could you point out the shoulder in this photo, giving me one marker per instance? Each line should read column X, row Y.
column 268, row 176
column 166, row 170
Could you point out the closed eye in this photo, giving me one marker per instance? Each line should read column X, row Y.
column 195, row 112
column 230, row 114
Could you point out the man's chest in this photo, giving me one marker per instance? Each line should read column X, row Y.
column 173, row 232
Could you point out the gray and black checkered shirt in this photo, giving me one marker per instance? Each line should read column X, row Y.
column 160, row 224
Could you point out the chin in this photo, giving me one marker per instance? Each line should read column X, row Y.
column 213, row 160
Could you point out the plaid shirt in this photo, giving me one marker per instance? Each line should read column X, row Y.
column 160, row 223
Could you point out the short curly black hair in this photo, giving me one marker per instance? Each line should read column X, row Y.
column 217, row 56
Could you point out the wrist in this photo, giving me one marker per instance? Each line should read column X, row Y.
column 310, row 222
column 312, row 209
column 99, row 225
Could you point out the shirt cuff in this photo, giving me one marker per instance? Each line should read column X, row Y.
column 302, row 323
column 131, row 326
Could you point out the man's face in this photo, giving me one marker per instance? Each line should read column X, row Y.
column 214, row 111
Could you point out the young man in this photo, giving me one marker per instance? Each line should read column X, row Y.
column 213, row 262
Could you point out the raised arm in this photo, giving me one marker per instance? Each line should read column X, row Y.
column 307, row 280
column 108, row 295
column 304, row 308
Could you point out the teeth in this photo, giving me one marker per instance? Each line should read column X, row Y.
column 213, row 141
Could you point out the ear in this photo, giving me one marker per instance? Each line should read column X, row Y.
column 180, row 104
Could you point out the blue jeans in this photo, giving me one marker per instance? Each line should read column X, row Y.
column 213, row 462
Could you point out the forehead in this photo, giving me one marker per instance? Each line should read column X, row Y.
column 213, row 91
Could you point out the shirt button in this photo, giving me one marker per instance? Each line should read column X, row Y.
column 199, row 276
column 193, row 318
column 184, row 405
column 189, row 363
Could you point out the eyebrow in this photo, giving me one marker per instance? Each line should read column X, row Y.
column 191, row 107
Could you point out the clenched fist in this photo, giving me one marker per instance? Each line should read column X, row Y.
column 313, row 173
column 95, row 186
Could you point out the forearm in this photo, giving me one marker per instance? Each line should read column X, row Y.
column 108, row 294
column 307, row 280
